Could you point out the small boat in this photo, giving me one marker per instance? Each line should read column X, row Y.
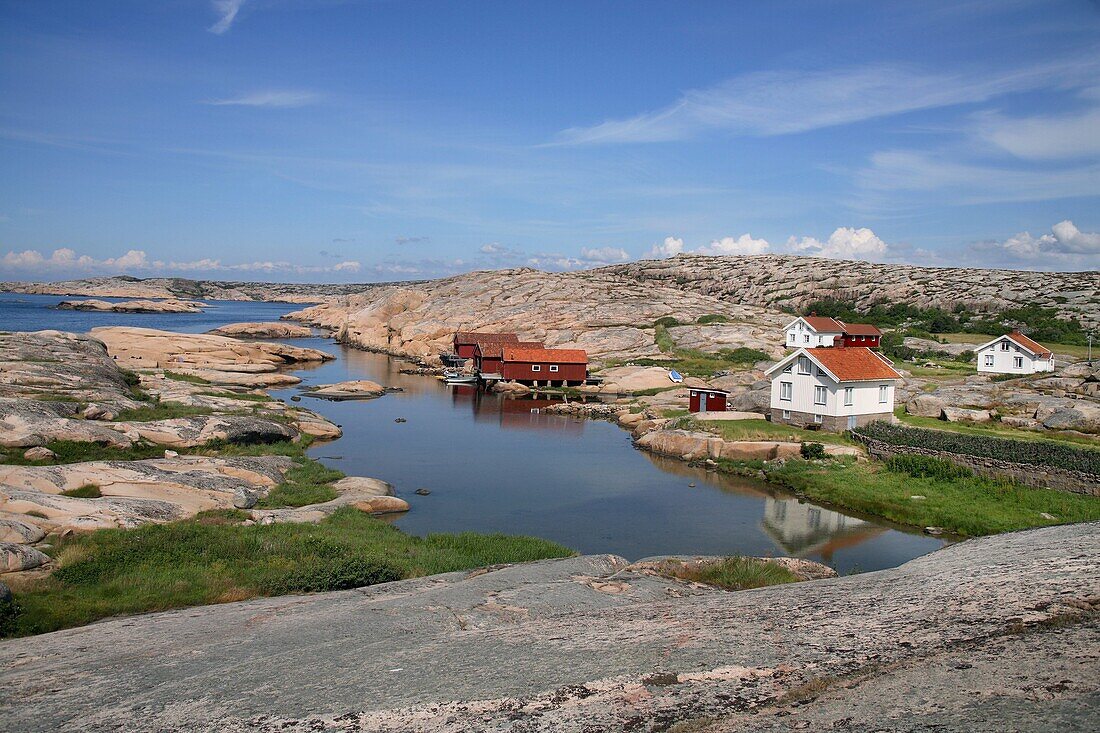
column 675, row 376
column 456, row 378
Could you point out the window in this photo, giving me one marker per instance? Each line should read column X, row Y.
column 800, row 325
column 848, row 394
column 1017, row 362
column 791, row 336
column 1005, row 346
column 786, row 414
column 789, row 368
column 820, row 340
column 785, row 390
column 989, row 359
column 883, row 393
column 819, row 395
column 817, row 418
column 803, row 365
column 806, row 338
column 553, row 367
column 536, row 367
column 819, row 371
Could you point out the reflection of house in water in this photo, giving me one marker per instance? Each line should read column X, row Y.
column 514, row 412
column 803, row 529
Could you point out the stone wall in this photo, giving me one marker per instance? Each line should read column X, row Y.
column 1039, row 477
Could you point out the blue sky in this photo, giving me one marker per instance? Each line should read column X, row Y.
column 394, row 139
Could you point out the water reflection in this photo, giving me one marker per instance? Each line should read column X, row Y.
column 802, row 529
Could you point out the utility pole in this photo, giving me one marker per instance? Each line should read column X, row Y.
column 1090, row 348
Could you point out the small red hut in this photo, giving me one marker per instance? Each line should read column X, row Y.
column 860, row 334
column 552, row 367
column 707, row 399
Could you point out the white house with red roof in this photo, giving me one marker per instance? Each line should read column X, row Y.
column 1014, row 353
column 809, row 332
column 837, row 388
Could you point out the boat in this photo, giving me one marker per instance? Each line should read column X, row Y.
column 675, row 376
column 452, row 377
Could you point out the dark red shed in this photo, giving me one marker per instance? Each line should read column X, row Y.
column 466, row 341
column 707, row 399
column 544, row 366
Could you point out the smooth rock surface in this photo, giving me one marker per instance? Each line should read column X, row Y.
column 264, row 330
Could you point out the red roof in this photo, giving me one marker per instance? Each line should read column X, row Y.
column 1034, row 346
column 474, row 337
column 861, row 329
column 496, row 350
column 854, row 363
column 824, row 324
column 542, row 356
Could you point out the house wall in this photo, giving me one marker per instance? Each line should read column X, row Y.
column 466, row 350
column 523, row 372
column 714, row 402
column 870, row 342
column 489, row 365
column 1003, row 360
column 865, row 395
column 801, row 336
column 832, row 423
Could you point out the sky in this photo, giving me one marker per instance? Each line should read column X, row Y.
column 377, row 140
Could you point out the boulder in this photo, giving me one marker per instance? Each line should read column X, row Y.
column 196, row 430
column 959, row 414
column 681, row 444
column 39, row 453
column 743, row 450
column 752, row 400
column 361, row 389
column 15, row 557
column 1082, row 415
column 382, row 505
column 19, row 531
column 925, row 405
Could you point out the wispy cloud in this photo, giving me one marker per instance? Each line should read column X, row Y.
column 412, row 240
column 271, row 98
column 136, row 260
column 228, row 10
column 792, row 101
column 1044, row 137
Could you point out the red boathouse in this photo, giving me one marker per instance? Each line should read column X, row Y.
column 466, row 341
column 550, row 367
column 489, row 357
column 707, row 399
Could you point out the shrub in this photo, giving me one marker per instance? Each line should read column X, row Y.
column 335, row 574
column 738, row 573
column 1035, row 453
column 743, row 355
column 927, row 467
column 712, row 318
column 811, row 451
column 87, row 491
column 666, row 321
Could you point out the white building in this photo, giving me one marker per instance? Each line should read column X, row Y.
column 1014, row 353
column 837, row 388
column 809, row 332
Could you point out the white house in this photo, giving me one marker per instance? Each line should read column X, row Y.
column 808, row 332
column 1014, row 353
column 837, row 388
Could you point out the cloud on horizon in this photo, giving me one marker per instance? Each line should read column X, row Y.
column 1064, row 246
column 843, row 243
column 67, row 261
column 274, row 98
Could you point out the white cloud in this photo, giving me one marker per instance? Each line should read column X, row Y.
column 269, row 98
column 791, row 101
column 228, row 10
column 743, row 245
column 844, row 243
column 1064, row 246
column 136, row 260
column 1044, row 138
column 492, row 248
column 604, row 254
column 671, row 247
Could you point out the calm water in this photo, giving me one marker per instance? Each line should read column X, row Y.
column 494, row 465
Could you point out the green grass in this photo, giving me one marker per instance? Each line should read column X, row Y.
column 212, row 559
column 307, row 483
column 663, row 339
column 737, row 573
column 161, row 411
column 994, row 429
column 71, row 451
column 186, row 378
column 87, row 491
column 968, row 506
column 249, row 396
column 712, row 318
column 947, row 368
column 754, row 430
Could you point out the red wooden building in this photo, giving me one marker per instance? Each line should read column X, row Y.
column 860, row 334
column 551, row 367
column 707, row 399
column 489, row 356
column 466, row 341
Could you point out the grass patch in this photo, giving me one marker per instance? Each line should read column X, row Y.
column 965, row 505
column 249, row 396
column 186, row 378
column 764, row 430
column 712, row 318
column 213, row 559
column 87, row 491
column 663, row 339
column 161, row 411
column 737, row 573
column 71, row 451
column 308, row 483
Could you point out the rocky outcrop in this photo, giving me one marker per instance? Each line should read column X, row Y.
column 196, row 430
column 793, row 282
column 607, row 315
column 55, row 365
column 124, row 286
column 148, row 348
column 273, row 330
column 133, row 306
column 693, row 446
column 990, row 634
column 359, row 389
column 368, row 495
